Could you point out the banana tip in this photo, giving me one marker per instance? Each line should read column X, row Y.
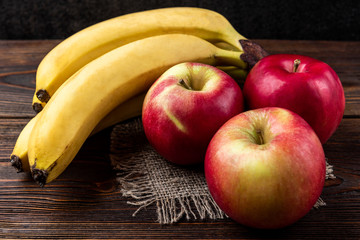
column 37, row 107
column 43, row 95
column 39, row 176
column 16, row 163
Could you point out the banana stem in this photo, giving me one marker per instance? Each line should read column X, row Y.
column 239, row 75
column 253, row 52
column 234, row 40
column 232, row 58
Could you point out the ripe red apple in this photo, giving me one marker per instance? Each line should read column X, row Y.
column 302, row 84
column 185, row 107
column 265, row 168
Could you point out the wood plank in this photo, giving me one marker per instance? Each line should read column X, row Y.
column 23, row 55
column 18, row 63
column 84, row 202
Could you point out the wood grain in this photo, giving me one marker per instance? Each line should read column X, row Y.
column 84, row 202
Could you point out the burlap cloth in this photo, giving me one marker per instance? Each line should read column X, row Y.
column 146, row 178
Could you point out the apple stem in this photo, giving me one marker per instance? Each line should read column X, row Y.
column 261, row 137
column 296, row 64
column 184, row 84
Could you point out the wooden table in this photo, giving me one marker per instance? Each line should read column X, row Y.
column 84, row 201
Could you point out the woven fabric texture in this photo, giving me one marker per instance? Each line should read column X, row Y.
column 146, row 178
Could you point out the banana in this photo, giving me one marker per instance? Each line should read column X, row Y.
column 129, row 109
column 88, row 44
column 238, row 74
column 226, row 46
column 19, row 155
column 87, row 96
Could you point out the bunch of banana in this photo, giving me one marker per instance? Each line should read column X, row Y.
column 86, row 45
column 99, row 76
column 129, row 109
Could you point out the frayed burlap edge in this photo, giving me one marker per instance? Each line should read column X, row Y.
column 135, row 182
column 329, row 174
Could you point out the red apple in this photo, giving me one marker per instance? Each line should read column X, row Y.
column 265, row 168
column 302, row 84
column 185, row 107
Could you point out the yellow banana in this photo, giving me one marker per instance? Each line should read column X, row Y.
column 226, row 46
column 238, row 74
column 19, row 155
column 129, row 109
column 85, row 98
column 86, row 45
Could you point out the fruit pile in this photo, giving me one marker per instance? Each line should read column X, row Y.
column 261, row 147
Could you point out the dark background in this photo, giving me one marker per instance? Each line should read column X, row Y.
column 261, row 19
